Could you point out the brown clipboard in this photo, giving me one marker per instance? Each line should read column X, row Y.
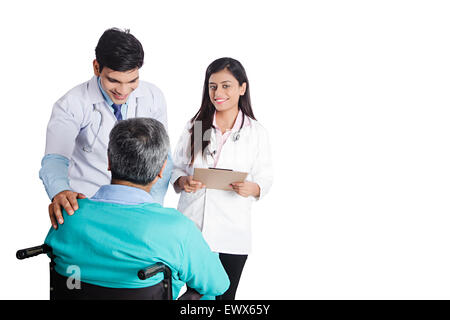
column 215, row 178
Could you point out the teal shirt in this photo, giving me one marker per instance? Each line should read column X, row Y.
column 110, row 242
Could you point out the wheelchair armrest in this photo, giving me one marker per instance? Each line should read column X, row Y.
column 32, row 252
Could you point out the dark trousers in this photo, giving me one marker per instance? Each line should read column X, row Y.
column 233, row 265
column 60, row 291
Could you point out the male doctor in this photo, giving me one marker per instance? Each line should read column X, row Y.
column 75, row 164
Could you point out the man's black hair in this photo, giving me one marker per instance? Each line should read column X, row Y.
column 119, row 50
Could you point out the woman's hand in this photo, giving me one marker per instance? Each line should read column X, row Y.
column 188, row 184
column 246, row 188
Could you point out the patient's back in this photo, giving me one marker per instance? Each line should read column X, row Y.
column 108, row 243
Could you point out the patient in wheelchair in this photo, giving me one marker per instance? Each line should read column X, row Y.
column 121, row 230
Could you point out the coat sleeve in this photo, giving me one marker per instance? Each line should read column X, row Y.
column 262, row 170
column 65, row 123
column 181, row 158
column 159, row 111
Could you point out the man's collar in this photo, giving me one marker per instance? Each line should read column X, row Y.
column 117, row 193
column 105, row 95
column 94, row 92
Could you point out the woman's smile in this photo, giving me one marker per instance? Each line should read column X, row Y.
column 220, row 100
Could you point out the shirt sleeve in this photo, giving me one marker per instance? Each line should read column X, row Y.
column 54, row 174
column 201, row 268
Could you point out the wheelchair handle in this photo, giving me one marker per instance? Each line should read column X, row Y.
column 151, row 271
column 32, row 252
column 157, row 268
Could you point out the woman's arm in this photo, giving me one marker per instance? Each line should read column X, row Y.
column 181, row 177
column 261, row 172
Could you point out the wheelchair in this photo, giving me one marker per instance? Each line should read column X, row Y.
column 59, row 289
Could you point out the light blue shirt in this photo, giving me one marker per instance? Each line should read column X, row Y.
column 54, row 171
column 120, row 231
column 120, row 194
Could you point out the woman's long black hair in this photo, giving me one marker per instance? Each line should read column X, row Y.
column 206, row 112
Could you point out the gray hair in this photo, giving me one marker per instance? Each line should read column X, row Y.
column 137, row 150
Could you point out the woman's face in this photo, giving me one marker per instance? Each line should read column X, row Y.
column 224, row 90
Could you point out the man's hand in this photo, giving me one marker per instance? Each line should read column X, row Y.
column 246, row 188
column 188, row 184
column 67, row 200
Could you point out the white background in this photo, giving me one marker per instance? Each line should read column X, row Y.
column 355, row 95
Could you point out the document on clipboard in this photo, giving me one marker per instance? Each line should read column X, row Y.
column 215, row 178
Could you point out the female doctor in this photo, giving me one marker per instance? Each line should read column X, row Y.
column 224, row 134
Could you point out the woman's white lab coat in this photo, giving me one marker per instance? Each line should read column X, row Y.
column 224, row 216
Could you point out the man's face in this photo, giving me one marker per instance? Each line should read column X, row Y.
column 117, row 84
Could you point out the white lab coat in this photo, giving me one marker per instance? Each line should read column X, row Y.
column 79, row 130
column 224, row 216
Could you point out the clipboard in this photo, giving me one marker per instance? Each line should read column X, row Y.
column 215, row 178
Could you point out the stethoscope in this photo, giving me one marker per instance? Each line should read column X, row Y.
column 235, row 137
column 88, row 148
